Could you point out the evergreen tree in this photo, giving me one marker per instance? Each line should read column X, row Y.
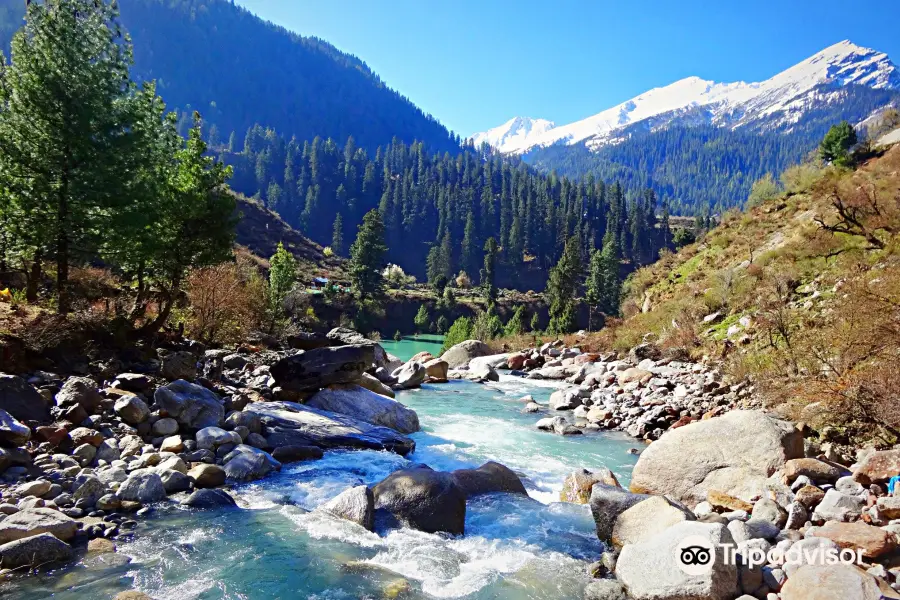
column 282, row 277
column 488, row 288
column 337, row 236
column 367, row 257
column 516, row 324
column 562, row 287
column 422, row 319
column 835, row 146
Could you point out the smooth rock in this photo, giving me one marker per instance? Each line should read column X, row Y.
column 209, row 498
column 831, row 582
column 423, row 499
column 142, row 486
column 132, row 410
column 362, row 404
column 207, row 476
column 491, row 477
column 409, row 376
column 12, row 433
column 836, row 506
column 462, row 354
column 35, row 521
column 289, row 454
column 193, row 406
column 21, row 400
column 873, row 541
column 314, row 369
column 356, row 504
column 607, row 503
column 578, row 485
column 33, row 551
column 646, row 519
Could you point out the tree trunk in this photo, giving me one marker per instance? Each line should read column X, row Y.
column 33, row 279
column 139, row 308
column 62, row 244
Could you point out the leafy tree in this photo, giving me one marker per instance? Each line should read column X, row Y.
column 835, row 146
column 422, row 318
column 337, row 236
column 562, row 287
column 367, row 257
column 535, row 324
column 440, row 263
column 459, row 332
column 442, row 324
column 488, row 289
column 516, row 323
column 683, row 237
column 282, row 277
column 68, row 142
column 764, row 189
column 487, row 325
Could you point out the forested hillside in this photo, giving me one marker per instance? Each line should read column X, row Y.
column 708, row 169
column 237, row 70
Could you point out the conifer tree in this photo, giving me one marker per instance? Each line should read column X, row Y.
column 367, row 257
column 562, row 287
column 488, row 288
column 337, row 236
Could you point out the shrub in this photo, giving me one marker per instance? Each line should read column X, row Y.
column 459, row 332
column 328, row 252
column 800, row 178
column 224, row 303
column 396, row 277
column 462, row 281
column 763, row 190
column 487, row 326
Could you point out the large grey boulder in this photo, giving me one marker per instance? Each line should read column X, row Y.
column 494, row 361
column 836, row 506
column 81, row 391
column 341, row 336
column 35, row 521
column 422, row 499
column 246, row 463
column 209, row 498
column 365, row 405
column 409, row 376
column 177, row 365
column 32, row 551
column 291, row 424
column 371, row 383
column 604, row 589
column 210, row 438
column 832, row 582
column 482, row 372
column 90, row 490
column 315, row 369
column 489, row 478
column 652, row 569
column 607, row 503
column 191, row 405
column 132, row 409
column 356, row 504
column 735, row 454
column 142, row 486
column 21, row 400
column 461, row 354
column 12, row 433
column 646, row 519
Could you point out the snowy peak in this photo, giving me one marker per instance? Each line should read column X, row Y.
column 515, row 135
column 778, row 101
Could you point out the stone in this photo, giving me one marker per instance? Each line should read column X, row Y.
column 356, row 504
column 209, row 498
column 797, row 516
column 422, row 499
column 142, row 486
column 100, row 546
column 831, row 582
column 633, row 374
column 769, row 510
column 38, row 487
column 85, row 453
column 604, row 589
column 173, row 444
column 291, row 424
column 178, row 365
column 108, row 451
column 436, row 369
column 12, row 433
column 35, row 521
column 249, row 420
column 362, row 404
column 165, row 427
column 878, row 467
column 109, row 502
column 735, row 454
column 90, row 491
column 491, row 477
column 246, row 463
column 210, row 438
column 79, row 391
column 21, row 400
column 462, row 354
column 873, row 541
column 137, row 383
column 193, row 406
column 889, row 506
column 33, row 551
column 207, row 476
column 314, row 369
column 132, row 410
column 85, row 435
column 565, row 399
column 646, row 519
column 371, row 383
column 607, row 503
column 809, row 496
column 578, row 485
column 836, row 506
column 723, row 501
column 289, row 454
column 815, row 469
column 651, row 570
column 810, row 550
column 409, row 376
column 482, row 372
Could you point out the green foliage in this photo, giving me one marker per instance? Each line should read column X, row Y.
column 764, row 189
column 604, row 285
column 835, row 146
column 459, row 332
column 535, row 324
column 487, row 326
column 367, row 257
column 488, row 288
column 337, row 235
column 439, row 263
column 423, row 319
column 800, row 178
column 397, row 336
column 562, row 287
column 683, row 237
column 282, row 277
column 516, row 323
column 442, row 324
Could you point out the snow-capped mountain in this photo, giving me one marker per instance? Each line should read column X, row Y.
column 776, row 103
column 515, row 135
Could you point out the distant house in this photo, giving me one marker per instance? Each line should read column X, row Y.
column 319, row 282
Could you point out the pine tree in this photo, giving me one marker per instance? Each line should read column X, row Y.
column 836, row 144
column 337, row 236
column 282, row 277
column 422, row 319
column 488, row 288
column 562, row 287
column 516, row 324
column 367, row 257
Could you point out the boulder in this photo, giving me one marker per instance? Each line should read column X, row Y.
column 207, row 476
column 578, row 485
column 314, row 369
column 12, row 433
column 832, row 582
column 90, row 491
column 873, row 541
column 422, row 499
column 193, row 406
column 836, row 506
column 809, row 496
column 646, row 519
column 132, row 409
column 33, row 551
column 371, row 383
column 436, row 369
column 142, row 486
column 177, row 365
column 21, row 400
column 607, row 503
column 565, row 399
column 725, row 502
column 165, row 427
column 878, row 467
column 173, row 443
column 409, row 376
column 136, row 383
column 79, row 391
column 356, row 504
column 652, row 570
column 207, row 498
column 495, row 361
column 38, row 487
column 341, row 336
column 482, row 372
column 246, row 463
column 461, row 354
column 174, row 481
column 291, row 424
column 516, row 361
column 289, row 454
column 489, row 478
column 633, row 374
column 770, row 511
column 85, row 435
column 604, row 589
column 735, row 453
column 362, row 404
column 816, row 470
column 210, row 438
column 35, row 521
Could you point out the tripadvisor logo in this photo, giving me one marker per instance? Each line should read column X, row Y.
column 695, row 555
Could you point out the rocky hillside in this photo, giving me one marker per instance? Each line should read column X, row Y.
column 800, row 293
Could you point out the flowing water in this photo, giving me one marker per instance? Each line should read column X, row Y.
column 514, row 547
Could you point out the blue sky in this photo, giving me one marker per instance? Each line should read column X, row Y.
column 474, row 64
